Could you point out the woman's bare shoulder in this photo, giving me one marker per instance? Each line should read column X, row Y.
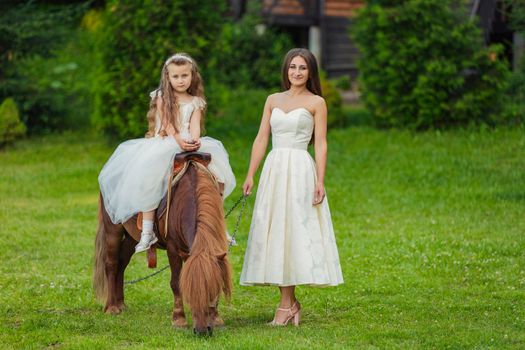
column 274, row 98
column 318, row 102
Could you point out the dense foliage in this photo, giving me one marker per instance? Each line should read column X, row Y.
column 423, row 64
column 40, row 64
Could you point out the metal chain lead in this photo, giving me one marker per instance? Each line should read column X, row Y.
column 148, row 276
column 241, row 198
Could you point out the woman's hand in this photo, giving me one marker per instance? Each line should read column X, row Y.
column 247, row 187
column 319, row 193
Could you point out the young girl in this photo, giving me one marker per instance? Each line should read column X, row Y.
column 136, row 176
column 291, row 239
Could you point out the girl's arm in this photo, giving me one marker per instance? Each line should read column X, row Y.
column 195, row 124
column 321, row 149
column 259, row 146
column 170, row 130
column 195, row 130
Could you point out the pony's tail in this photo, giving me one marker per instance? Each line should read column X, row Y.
column 99, row 268
column 207, row 272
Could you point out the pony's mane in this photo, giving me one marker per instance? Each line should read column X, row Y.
column 207, row 271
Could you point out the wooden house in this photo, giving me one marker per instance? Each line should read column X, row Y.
column 324, row 25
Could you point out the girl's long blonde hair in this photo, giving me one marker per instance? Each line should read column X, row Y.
column 170, row 106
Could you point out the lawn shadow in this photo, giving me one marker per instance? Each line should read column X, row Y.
column 511, row 196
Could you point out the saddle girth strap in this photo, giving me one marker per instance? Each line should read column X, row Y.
column 174, row 178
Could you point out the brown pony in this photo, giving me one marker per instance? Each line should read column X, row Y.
column 196, row 235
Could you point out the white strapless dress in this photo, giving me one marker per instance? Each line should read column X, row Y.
column 135, row 178
column 291, row 241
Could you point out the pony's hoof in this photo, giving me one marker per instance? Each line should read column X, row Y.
column 179, row 323
column 112, row 310
column 207, row 332
column 218, row 321
column 122, row 306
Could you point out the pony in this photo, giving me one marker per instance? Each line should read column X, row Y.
column 191, row 227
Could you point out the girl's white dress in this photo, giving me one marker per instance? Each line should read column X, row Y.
column 135, row 178
column 291, row 241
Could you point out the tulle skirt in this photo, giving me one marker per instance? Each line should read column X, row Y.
column 291, row 241
column 135, row 178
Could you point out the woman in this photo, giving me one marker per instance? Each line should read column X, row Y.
column 291, row 238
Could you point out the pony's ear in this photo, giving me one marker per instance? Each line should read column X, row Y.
column 221, row 256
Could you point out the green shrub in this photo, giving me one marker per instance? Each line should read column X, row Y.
column 423, row 65
column 135, row 39
column 234, row 112
column 514, row 111
column 343, row 82
column 334, row 102
column 250, row 55
column 11, row 127
column 515, row 91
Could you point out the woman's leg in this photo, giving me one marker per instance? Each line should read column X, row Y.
column 287, row 306
column 287, row 297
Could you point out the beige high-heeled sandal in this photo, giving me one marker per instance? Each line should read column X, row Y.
column 295, row 314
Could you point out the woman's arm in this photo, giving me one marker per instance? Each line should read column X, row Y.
column 321, row 149
column 259, row 146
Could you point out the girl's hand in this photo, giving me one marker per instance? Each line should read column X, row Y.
column 247, row 187
column 197, row 143
column 319, row 194
column 188, row 145
column 192, row 145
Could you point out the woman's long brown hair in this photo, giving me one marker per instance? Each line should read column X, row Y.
column 170, row 106
column 314, row 82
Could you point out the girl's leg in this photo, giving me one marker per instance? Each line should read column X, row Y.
column 147, row 237
column 148, row 215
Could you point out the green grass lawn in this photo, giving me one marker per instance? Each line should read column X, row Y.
column 430, row 229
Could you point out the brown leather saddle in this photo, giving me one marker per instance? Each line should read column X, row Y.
column 178, row 165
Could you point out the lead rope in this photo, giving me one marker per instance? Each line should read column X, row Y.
column 242, row 199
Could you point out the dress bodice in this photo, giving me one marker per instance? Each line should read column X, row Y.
column 291, row 129
column 185, row 111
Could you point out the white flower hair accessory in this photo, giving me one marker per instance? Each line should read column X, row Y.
column 155, row 93
column 178, row 56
